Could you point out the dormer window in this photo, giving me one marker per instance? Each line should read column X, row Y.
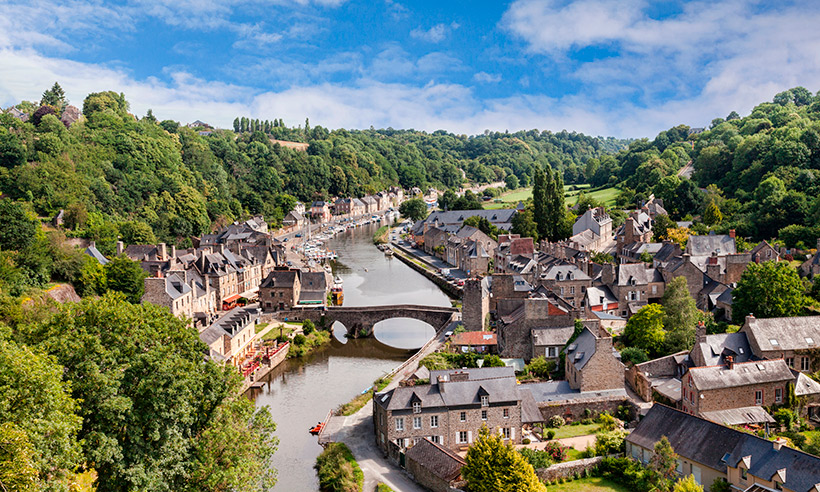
column 485, row 401
column 416, row 407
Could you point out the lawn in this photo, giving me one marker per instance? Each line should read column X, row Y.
column 573, row 454
column 594, row 484
column 606, row 196
column 575, row 430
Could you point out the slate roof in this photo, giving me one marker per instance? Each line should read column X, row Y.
column 138, row 252
column 175, row 287
column 280, row 279
column 771, row 334
column 230, row 324
column 725, row 297
column 721, row 244
column 717, row 347
column 668, row 251
column 93, row 252
column 740, row 416
column 743, row 374
column 806, row 386
column 637, row 272
column 564, row 271
column 501, row 218
column 438, row 460
column 582, row 349
column 496, row 382
column 314, row 281
column 552, row 336
column 553, row 391
column 598, row 295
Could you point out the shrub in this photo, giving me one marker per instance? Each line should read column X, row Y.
column 587, row 421
column 556, row 421
column 785, row 417
column 538, row 459
column 627, row 472
column 609, row 442
column 607, row 421
column 550, row 434
column 337, row 469
column 720, row 485
column 526, row 440
column 633, row 355
column 308, row 327
column 556, row 451
column 299, row 339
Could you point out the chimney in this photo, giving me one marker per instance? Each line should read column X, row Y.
column 459, row 376
column 732, row 233
column 173, row 251
column 608, row 274
column 730, row 362
column 221, row 248
column 441, row 381
column 120, row 247
column 163, row 252
column 778, row 443
column 603, row 340
column 700, row 332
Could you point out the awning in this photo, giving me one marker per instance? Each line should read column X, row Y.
column 232, row 298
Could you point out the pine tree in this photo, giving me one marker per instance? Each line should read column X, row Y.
column 54, row 97
column 237, row 125
column 539, row 202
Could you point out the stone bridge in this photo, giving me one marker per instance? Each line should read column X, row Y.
column 359, row 320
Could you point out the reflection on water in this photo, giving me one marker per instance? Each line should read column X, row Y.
column 300, row 392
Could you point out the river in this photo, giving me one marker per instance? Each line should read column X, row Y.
column 300, row 392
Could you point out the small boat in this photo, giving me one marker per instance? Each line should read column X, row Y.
column 388, row 252
column 337, row 295
column 316, row 429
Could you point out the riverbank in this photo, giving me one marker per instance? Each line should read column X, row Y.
column 380, row 237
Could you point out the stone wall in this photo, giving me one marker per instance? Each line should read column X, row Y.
column 567, row 469
column 576, row 409
column 603, row 371
column 476, row 305
column 637, row 376
column 425, row 477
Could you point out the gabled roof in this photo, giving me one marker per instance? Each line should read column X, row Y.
column 175, row 287
column 718, row 346
column 556, row 336
column 784, row 333
column 474, row 338
column 806, row 386
column 636, row 274
column 314, row 281
column 742, row 374
column 280, row 279
column 93, row 252
column 721, row 244
column 438, row 460
column 565, row 271
column 597, row 296
column 582, row 349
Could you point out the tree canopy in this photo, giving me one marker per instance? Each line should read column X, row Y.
column 491, row 465
column 770, row 289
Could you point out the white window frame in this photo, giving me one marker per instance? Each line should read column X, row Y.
column 506, row 413
column 778, row 395
column 505, row 433
column 434, row 421
column 484, row 415
column 462, row 417
column 463, row 437
column 417, row 422
column 485, row 401
column 399, row 424
column 805, row 364
column 416, row 407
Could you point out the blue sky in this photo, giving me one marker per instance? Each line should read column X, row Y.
column 626, row 68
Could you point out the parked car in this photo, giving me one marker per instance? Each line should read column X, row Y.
column 460, row 282
column 298, row 234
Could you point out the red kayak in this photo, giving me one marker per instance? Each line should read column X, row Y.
column 315, row 430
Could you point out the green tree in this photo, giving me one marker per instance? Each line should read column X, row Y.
column 18, row 231
column 662, row 465
column 17, row 467
column 137, row 232
column 153, row 411
column 126, row 276
column 661, row 227
column 54, row 97
column 414, row 209
column 712, row 215
column 644, row 330
column 633, row 355
column 511, row 181
column 687, row 484
column 492, row 361
column 237, row 126
column 771, row 289
column 539, row 203
column 38, row 404
column 680, row 315
column 524, row 225
column 491, row 466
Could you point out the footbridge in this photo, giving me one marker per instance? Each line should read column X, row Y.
column 359, row 320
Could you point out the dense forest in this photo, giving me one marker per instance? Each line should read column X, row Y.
column 112, row 168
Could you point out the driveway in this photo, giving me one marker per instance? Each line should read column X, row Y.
column 358, row 434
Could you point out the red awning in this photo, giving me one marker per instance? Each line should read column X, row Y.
column 232, row 298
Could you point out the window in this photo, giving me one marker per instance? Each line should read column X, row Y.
column 484, row 415
column 572, row 290
column 654, row 289
column 506, row 413
column 552, row 351
column 400, row 424
column 462, row 416
column 435, row 439
column 804, row 364
column 778, row 486
column 778, row 395
column 417, row 422
column 790, row 361
column 809, row 340
column 416, row 407
column 758, row 397
column 562, row 291
column 485, row 401
column 434, row 421
column 462, row 437
column 506, row 432
column 744, row 474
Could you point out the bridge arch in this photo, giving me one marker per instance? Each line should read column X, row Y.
column 359, row 320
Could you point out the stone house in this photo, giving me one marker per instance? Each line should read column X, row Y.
column 433, row 466
column 231, row 336
column 518, row 317
column 299, row 207
column 709, row 451
column 796, row 340
column 482, row 342
column 712, row 389
column 294, row 219
column 342, row 206
column 811, row 266
column 172, row 292
column 320, row 211
column 358, row 207
column 475, row 309
column 764, row 252
column 634, row 285
column 548, row 342
column 93, row 252
column 152, row 258
column 221, row 274
column 595, row 220
column 203, row 298
column 636, row 229
column 435, row 241
column 712, row 350
column 592, row 363
column 371, row 204
column 512, row 246
column 451, row 409
column 601, row 300
column 314, row 288
column 280, row 290
column 567, row 280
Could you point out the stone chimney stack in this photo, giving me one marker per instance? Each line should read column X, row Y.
column 120, row 247
column 603, row 340
column 700, row 332
column 163, row 252
column 732, row 233
column 441, row 383
column 173, row 251
column 730, row 362
column 608, row 274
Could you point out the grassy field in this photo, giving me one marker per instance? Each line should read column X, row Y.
column 575, row 430
column 595, row 484
column 511, row 198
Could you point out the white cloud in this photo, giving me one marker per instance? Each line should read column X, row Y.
column 435, row 34
column 487, row 78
